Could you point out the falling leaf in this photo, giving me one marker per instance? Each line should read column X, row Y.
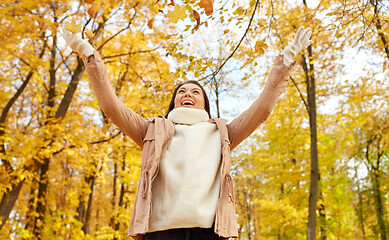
column 73, row 26
column 90, row 34
column 197, row 17
column 150, row 23
column 89, row 1
column 260, row 46
column 171, row 3
column 62, row 11
column 207, row 5
column 238, row 11
column 177, row 14
column 93, row 10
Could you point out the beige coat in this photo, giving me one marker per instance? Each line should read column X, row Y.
column 154, row 136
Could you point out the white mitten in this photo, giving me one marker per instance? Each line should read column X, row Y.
column 300, row 42
column 77, row 43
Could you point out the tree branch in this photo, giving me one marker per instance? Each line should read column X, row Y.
column 237, row 46
column 301, row 95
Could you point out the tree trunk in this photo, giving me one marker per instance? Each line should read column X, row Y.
column 60, row 113
column 41, row 205
column 44, row 166
column 379, row 206
column 85, row 228
column 121, row 197
column 314, row 184
column 30, row 213
column 360, row 211
column 323, row 221
column 8, row 201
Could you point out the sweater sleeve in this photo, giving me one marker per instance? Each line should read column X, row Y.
column 125, row 118
column 246, row 123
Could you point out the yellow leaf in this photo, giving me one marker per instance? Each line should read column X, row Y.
column 62, row 10
column 177, row 75
column 90, row 34
column 73, row 26
column 177, row 14
column 238, row 11
column 93, row 10
column 260, row 46
column 226, row 31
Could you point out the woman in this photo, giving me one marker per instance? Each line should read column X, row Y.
column 185, row 190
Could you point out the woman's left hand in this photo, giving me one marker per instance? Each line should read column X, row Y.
column 299, row 42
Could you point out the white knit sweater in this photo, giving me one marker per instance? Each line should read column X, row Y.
column 186, row 189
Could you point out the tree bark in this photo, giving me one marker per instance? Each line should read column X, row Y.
column 377, row 193
column 323, row 220
column 85, row 227
column 41, row 205
column 360, row 211
column 379, row 206
column 121, row 197
column 8, row 201
column 44, row 165
column 314, row 183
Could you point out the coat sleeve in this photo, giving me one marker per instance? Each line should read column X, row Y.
column 125, row 118
column 246, row 123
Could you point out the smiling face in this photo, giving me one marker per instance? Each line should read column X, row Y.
column 189, row 95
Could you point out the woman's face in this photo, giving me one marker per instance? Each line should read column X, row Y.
column 189, row 95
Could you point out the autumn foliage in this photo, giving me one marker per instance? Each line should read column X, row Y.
column 67, row 172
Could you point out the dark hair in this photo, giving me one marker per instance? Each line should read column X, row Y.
column 206, row 101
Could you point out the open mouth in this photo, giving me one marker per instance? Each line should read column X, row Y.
column 187, row 103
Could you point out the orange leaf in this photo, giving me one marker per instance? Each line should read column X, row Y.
column 207, row 5
column 197, row 17
column 90, row 34
column 89, row 1
column 93, row 10
column 150, row 23
column 171, row 3
column 73, row 26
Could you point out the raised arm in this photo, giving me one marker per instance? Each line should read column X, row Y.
column 246, row 123
column 126, row 119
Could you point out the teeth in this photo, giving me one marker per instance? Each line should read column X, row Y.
column 187, row 103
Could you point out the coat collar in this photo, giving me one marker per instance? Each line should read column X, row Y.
column 187, row 116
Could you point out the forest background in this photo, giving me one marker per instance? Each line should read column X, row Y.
column 317, row 169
